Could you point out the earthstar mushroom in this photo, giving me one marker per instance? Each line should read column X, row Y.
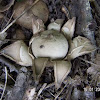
column 54, row 46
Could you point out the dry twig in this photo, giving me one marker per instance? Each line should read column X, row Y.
column 9, row 20
column 41, row 89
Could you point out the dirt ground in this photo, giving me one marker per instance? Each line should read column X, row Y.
column 83, row 81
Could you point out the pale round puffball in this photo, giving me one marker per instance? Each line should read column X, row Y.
column 50, row 43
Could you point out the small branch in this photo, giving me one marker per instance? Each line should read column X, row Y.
column 8, row 64
column 11, row 77
column 65, row 10
column 9, row 20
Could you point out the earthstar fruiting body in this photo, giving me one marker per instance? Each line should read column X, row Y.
column 54, row 44
column 51, row 44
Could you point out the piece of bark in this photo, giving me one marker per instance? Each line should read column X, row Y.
column 20, row 86
column 85, row 23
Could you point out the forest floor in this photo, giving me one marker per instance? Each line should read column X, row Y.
column 82, row 83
